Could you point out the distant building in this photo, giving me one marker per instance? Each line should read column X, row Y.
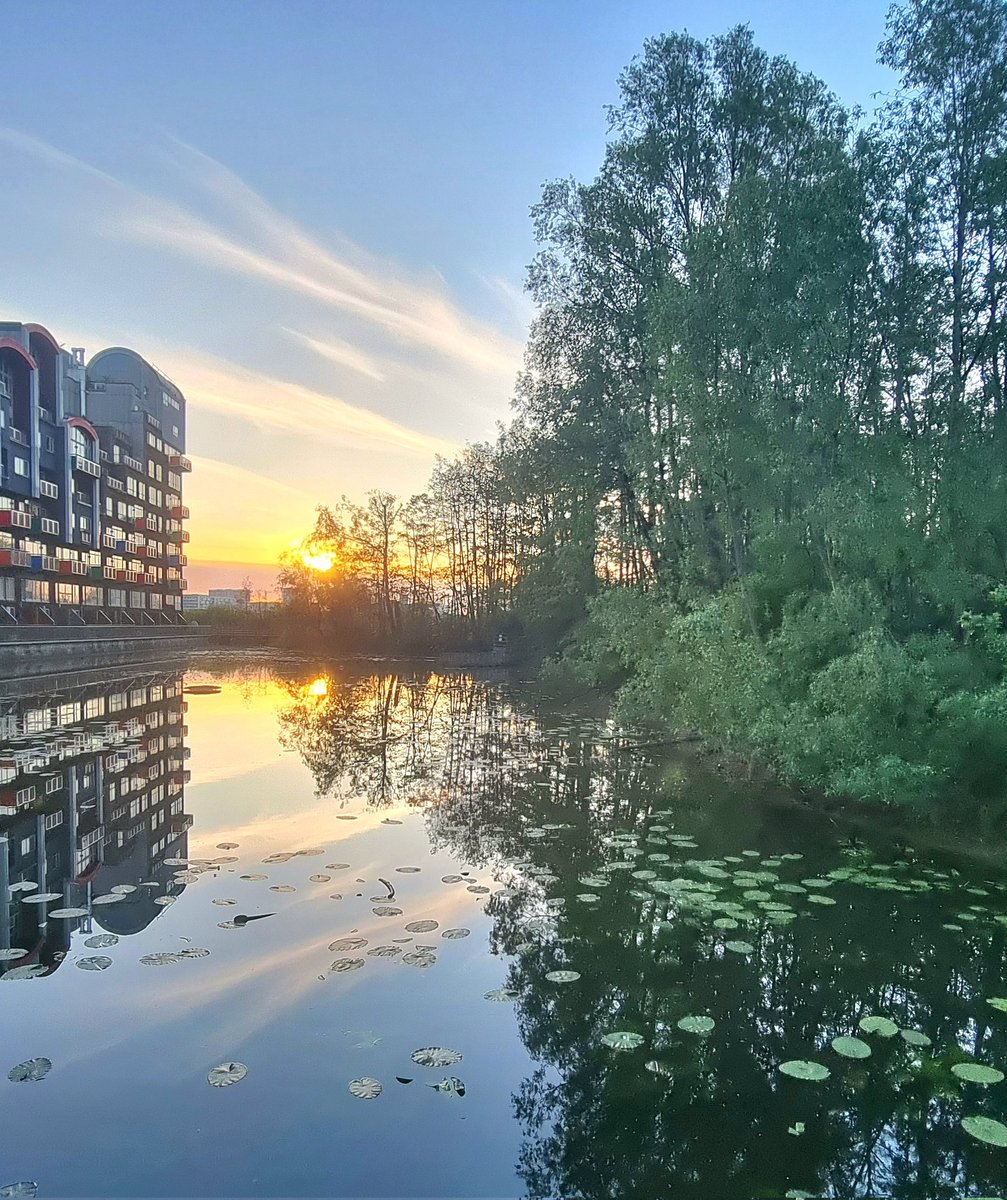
column 91, row 466
column 217, row 598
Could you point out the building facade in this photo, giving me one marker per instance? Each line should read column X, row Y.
column 92, row 459
column 217, row 598
column 92, row 781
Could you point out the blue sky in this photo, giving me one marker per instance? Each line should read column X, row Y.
column 317, row 213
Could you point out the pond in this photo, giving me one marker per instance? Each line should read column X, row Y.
column 277, row 929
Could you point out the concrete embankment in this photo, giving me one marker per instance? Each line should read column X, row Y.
column 39, row 650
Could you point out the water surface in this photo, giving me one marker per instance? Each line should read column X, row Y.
column 539, row 842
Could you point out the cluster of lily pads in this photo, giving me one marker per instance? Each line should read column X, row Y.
column 367, row 1088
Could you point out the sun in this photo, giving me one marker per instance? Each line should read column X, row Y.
column 318, row 562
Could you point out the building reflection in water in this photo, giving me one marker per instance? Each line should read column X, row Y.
column 92, row 779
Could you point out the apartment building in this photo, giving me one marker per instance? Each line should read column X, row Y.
column 91, row 798
column 92, row 458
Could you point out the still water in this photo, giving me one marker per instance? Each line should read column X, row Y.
column 501, row 953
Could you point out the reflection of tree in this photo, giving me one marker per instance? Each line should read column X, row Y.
column 502, row 772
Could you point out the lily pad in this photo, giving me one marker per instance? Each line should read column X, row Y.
column 913, row 1037
column 697, row 1025
column 339, row 965
column 419, row 958
column 365, row 1088
column 435, row 1056
column 282, row 887
column 348, row 943
column 23, row 885
column 997, row 1002
column 123, row 889
column 882, row 1026
column 408, row 870
column 451, row 1086
column 31, row 971
column 42, row 898
column 385, row 951
column 319, row 878
column 101, row 941
column 422, row 926
column 226, row 1073
column 501, row 995
column 163, row 958
column 118, row 897
column 562, row 976
column 802, row 1069
column 387, row 910
column 25, row 1188
column 67, row 914
column 452, row 879
column 453, row 935
column 227, row 845
column 30, row 1071
column 740, row 947
column 622, row 1039
column 985, row 1129
column 851, row 1047
column 977, row 1073
column 224, row 901
column 97, row 962
column 14, row 952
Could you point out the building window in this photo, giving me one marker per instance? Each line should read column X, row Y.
column 53, row 785
column 67, row 593
column 36, row 591
column 7, row 588
column 26, row 845
column 117, row 597
column 137, row 600
column 20, row 466
column 50, row 444
column 91, row 596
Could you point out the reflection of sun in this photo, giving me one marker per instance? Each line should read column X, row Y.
column 317, row 562
column 319, row 687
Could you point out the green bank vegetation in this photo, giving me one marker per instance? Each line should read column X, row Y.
column 757, row 477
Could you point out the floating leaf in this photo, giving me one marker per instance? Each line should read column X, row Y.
column 419, row 958
column 588, row 898
column 162, row 959
column 226, row 1073
column 348, row 943
column 449, row 1087
column 422, row 926
column 282, row 887
column 851, row 1047
column 26, row 1188
column 882, row 1026
column 819, row 899
column 227, row 845
column 501, row 995
column 387, row 910
column 30, row 1071
column 164, row 901
column 319, row 878
column 224, row 901
column 364, row 1088
column 913, row 1037
column 977, row 1073
column 658, row 1067
column 123, row 889
column 101, row 941
column 801, row 1069
column 390, row 821
column 345, row 964
column 477, row 889
column 435, row 1056
column 31, row 971
column 42, row 898
column 698, row 1025
column 796, row 1129
column 97, row 962
column 14, row 952
column 740, row 947
column 193, row 952
column 622, row 1039
column 997, row 1002
column 408, row 870
column 985, row 1129
column 385, row 951
column 117, row 897
column 67, row 913
column 562, row 976
column 452, row 935
column 452, row 879
column 256, row 878
column 402, row 1079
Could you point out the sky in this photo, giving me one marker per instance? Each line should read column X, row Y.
column 313, row 215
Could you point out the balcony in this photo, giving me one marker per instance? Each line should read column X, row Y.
column 178, row 585
column 80, row 463
column 148, row 577
column 178, row 560
column 14, row 558
column 177, row 535
column 13, row 518
column 49, row 563
column 115, row 484
column 179, row 512
column 134, row 464
column 179, row 462
column 19, row 436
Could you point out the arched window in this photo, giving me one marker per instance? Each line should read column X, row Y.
column 81, row 444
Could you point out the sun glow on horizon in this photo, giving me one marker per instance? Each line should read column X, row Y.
column 318, row 562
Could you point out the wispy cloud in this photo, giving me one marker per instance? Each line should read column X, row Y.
column 341, row 353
